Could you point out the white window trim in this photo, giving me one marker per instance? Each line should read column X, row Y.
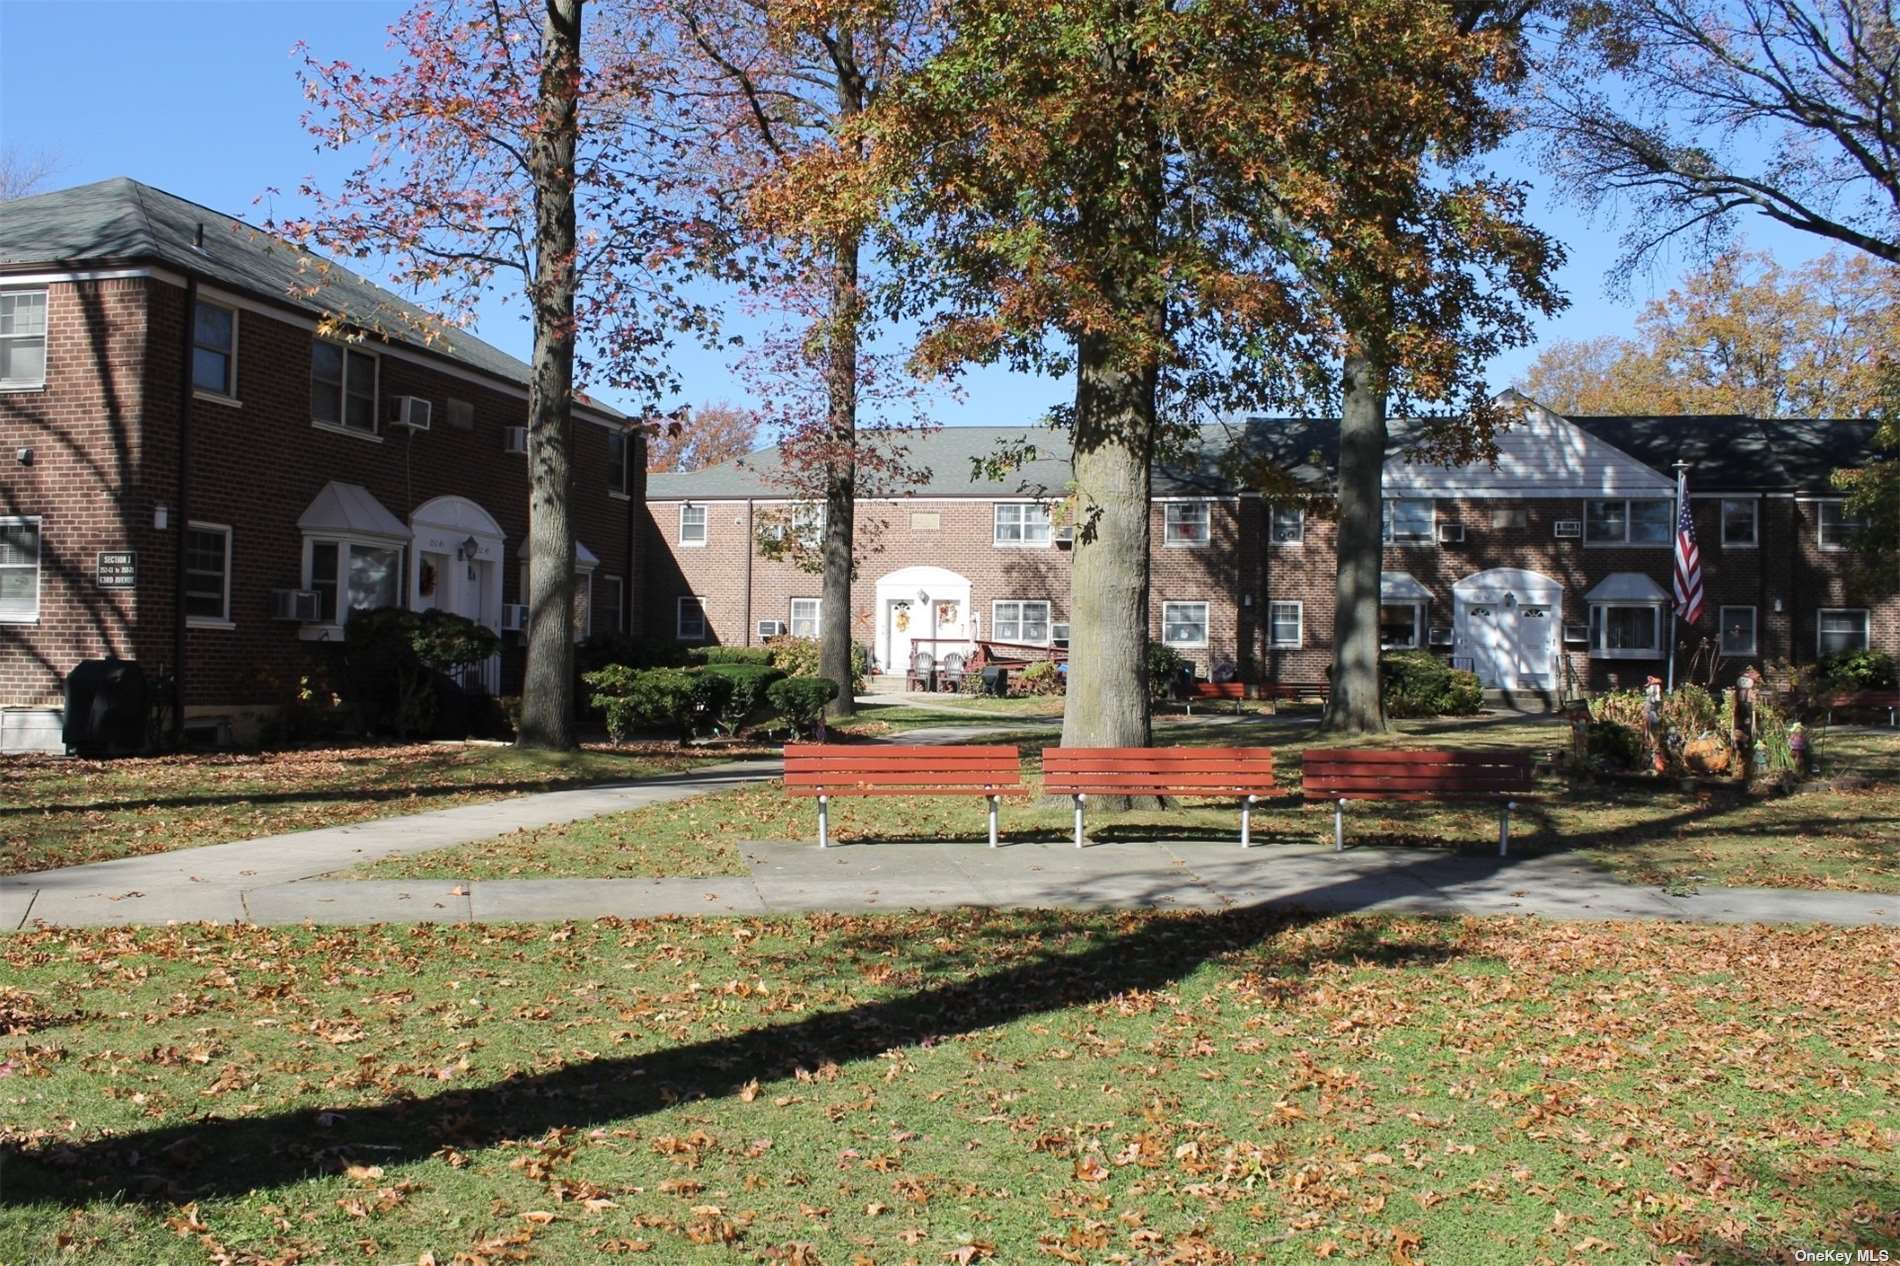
column 1418, row 625
column 817, row 616
column 996, row 527
column 1207, row 623
column 39, row 564
column 1299, row 614
column 1667, row 542
column 205, row 393
column 679, row 619
column 1168, row 538
column 375, row 431
column 705, row 525
column 1299, row 538
column 1596, row 627
column 1722, row 504
column 45, row 337
column 1754, row 629
column 205, row 621
column 1048, row 619
column 1386, row 536
column 1820, row 510
column 321, row 632
column 1866, row 627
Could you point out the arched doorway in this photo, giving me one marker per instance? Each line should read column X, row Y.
column 1506, row 622
column 921, row 605
column 458, row 553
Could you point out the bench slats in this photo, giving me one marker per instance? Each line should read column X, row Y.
column 834, row 769
column 1149, row 771
column 1414, row 756
column 1414, row 774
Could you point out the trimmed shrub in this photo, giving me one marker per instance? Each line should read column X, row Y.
column 392, row 660
column 1419, row 684
column 746, row 696
column 1164, row 669
column 602, row 649
column 1855, row 671
column 634, row 699
column 1041, row 678
column 759, row 655
column 801, row 700
column 798, row 657
column 1613, row 745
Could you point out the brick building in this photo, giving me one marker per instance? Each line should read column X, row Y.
column 181, row 393
column 1547, row 573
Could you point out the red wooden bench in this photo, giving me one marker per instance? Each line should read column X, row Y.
column 1206, row 772
column 825, row 770
column 1385, row 773
column 1295, row 691
column 1865, row 699
column 1204, row 691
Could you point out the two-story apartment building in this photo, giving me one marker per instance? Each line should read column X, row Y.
column 214, row 447
column 1546, row 573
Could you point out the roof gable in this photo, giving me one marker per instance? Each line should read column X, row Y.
column 1540, row 455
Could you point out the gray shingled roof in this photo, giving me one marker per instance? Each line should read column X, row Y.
column 122, row 221
column 1732, row 452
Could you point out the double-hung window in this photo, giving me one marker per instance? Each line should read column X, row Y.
column 620, row 448
column 342, row 387
column 1738, row 630
column 1836, row 527
column 1186, row 523
column 1022, row 523
column 1284, row 624
column 804, row 621
column 351, row 576
column 1741, row 522
column 1841, row 629
column 22, row 339
column 1287, row 525
column 606, row 605
column 1408, row 520
column 689, row 620
column 214, row 335
column 1623, row 522
column 1019, row 621
column 1401, row 625
column 692, row 525
column 1626, row 630
column 19, row 571
column 208, row 574
column 1184, row 623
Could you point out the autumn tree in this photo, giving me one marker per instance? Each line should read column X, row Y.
column 1743, row 335
column 505, row 155
column 706, row 436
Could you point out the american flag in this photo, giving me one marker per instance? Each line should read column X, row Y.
column 1688, row 557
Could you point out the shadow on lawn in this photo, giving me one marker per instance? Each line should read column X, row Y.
column 226, row 1157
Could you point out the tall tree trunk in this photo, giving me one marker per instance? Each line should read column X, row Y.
column 841, row 473
column 547, row 696
column 1356, row 705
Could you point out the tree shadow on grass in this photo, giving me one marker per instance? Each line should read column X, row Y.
column 226, row 1157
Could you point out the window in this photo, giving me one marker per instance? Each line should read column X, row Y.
column 23, row 338
column 805, row 617
column 1401, row 625
column 692, row 525
column 1186, row 523
column 1627, row 522
column 1836, row 530
column 1022, row 523
column 689, row 622
column 1287, row 525
column 1184, row 623
column 808, row 524
column 19, row 571
column 352, row 576
column 1284, row 620
column 1625, row 631
column 619, row 449
column 1059, row 635
column 607, row 617
column 214, row 350
column 1842, row 630
column 1741, row 522
column 1738, row 630
column 342, row 387
column 1020, row 622
column 207, row 574
column 1408, row 519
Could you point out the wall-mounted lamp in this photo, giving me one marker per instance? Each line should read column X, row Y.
column 470, row 548
column 1777, row 606
column 25, row 456
column 161, row 516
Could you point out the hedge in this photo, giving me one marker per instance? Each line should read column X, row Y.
column 1419, row 684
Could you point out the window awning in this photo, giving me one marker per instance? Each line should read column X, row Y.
column 584, row 559
column 1398, row 587
column 1627, row 586
column 349, row 510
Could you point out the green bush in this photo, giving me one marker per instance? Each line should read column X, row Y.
column 1041, row 678
column 391, row 658
column 801, row 700
column 1855, row 670
column 602, row 649
column 445, row 641
column 1613, row 745
column 656, row 699
column 746, row 697
column 1419, row 684
column 1164, row 669
column 798, row 657
column 759, row 655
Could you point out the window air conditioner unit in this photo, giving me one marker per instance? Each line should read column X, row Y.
column 514, row 617
column 1577, row 634
column 514, row 439
column 1451, row 533
column 300, row 605
column 1440, row 637
column 410, row 411
column 1568, row 529
column 770, row 628
column 1063, row 534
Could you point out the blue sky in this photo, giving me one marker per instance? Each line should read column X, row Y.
column 199, row 99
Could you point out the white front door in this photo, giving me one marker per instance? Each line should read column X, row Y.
column 900, row 625
column 1535, row 644
column 1484, row 641
column 1511, row 646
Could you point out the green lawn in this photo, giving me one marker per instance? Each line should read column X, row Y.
column 1840, row 832
column 57, row 812
column 965, row 1087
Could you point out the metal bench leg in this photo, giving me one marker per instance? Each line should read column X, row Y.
column 1078, row 820
column 1504, row 827
column 1246, row 822
column 824, row 823
column 1339, row 826
column 993, row 800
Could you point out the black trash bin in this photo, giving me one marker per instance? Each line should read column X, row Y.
column 996, row 680
column 107, row 707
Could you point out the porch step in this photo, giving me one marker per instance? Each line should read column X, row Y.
column 884, row 684
column 1524, row 699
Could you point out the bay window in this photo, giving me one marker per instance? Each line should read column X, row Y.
column 1626, row 630
column 1401, row 626
column 351, row 575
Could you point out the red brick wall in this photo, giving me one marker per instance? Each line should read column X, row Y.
column 105, row 435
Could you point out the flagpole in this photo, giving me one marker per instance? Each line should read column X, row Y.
column 1675, row 611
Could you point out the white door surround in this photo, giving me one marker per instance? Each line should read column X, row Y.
column 927, row 602
column 460, row 546
column 1507, row 622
